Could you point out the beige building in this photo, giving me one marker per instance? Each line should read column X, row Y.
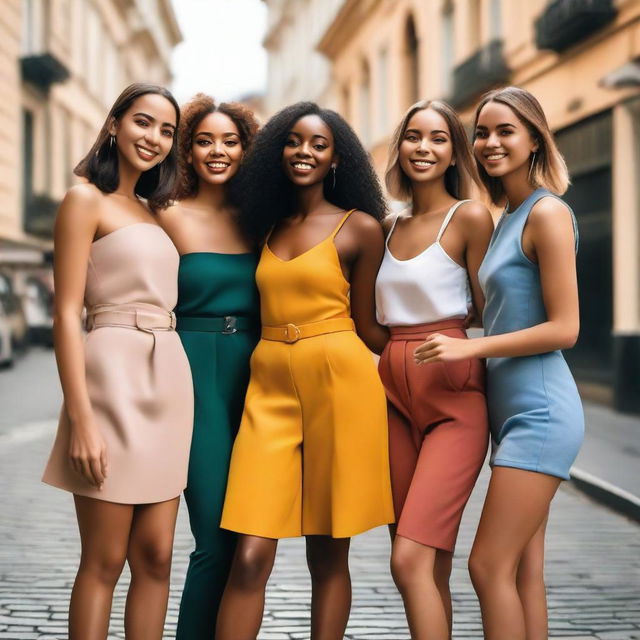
column 581, row 58
column 64, row 62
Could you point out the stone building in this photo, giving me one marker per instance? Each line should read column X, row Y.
column 64, row 62
column 581, row 58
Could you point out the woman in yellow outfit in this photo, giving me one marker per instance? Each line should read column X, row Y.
column 311, row 456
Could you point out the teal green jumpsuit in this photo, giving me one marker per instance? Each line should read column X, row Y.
column 218, row 322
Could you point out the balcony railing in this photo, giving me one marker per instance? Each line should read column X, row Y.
column 485, row 69
column 39, row 215
column 43, row 70
column 566, row 22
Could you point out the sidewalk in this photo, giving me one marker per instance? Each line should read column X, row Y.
column 608, row 465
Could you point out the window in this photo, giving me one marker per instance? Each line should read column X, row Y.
column 495, row 19
column 365, row 104
column 448, row 49
column 383, row 91
column 27, row 159
column 412, row 65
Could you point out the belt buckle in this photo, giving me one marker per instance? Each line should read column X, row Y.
column 172, row 321
column 292, row 333
column 229, row 325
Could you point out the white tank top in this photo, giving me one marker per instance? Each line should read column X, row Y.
column 426, row 288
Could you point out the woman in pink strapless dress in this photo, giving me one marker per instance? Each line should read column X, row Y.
column 123, row 439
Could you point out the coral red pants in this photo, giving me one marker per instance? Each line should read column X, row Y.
column 438, row 434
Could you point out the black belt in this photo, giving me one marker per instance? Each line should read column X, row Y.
column 226, row 324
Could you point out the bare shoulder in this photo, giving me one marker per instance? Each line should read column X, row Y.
column 550, row 212
column 81, row 203
column 363, row 223
column 387, row 223
column 171, row 213
column 474, row 211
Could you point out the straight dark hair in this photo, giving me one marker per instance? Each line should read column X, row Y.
column 100, row 165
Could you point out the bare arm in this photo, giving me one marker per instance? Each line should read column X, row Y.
column 551, row 236
column 370, row 240
column 75, row 228
column 477, row 226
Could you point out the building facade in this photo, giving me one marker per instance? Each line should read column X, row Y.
column 64, row 63
column 581, row 58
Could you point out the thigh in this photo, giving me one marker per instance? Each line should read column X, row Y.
column 515, row 508
column 153, row 528
column 104, row 529
column 327, row 552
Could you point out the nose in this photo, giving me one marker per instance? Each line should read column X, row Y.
column 152, row 135
column 304, row 150
column 217, row 148
column 493, row 140
column 423, row 146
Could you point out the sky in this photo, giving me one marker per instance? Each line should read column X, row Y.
column 221, row 53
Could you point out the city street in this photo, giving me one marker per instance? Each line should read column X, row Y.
column 593, row 558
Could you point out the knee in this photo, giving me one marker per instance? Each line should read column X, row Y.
column 325, row 562
column 404, row 568
column 106, row 567
column 152, row 560
column 486, row 570
column 250, row 569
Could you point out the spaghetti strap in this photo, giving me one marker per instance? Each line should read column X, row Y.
column 448, row 217
column 342, row 221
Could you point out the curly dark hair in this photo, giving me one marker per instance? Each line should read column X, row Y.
column 191, row 115
column 100, row 165
column 267, row 194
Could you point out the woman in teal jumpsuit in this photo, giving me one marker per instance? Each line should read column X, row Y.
column 218, row 322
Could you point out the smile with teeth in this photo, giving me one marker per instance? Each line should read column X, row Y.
column 496, row 156
column 423, row 163
column 217, row 165
column 302, row 165
column 147, row 154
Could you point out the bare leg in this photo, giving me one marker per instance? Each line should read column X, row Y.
column 328, row 561
column 442, row 575
column 104, row 535
column 530, row 583
column 516, row 506
column 413, row 569
column 149, row 557
column 242, row 605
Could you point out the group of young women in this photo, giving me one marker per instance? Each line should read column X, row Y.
column 235, row 282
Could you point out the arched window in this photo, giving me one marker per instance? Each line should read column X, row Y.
column 447, row 50
column 412, row 63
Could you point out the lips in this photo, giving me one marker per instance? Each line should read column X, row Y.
column 302, row 168
column 216, row 166
column 494, row 157
column 144, row 153
column 422, row 165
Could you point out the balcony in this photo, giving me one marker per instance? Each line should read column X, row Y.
column 567, row 22
column 485, row 69
column 39, row 215
column 43, row 70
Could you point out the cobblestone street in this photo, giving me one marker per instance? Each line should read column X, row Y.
column 593, row 558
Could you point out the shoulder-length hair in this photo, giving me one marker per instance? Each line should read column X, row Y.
column 100, row 165
column 548, row 168
column 192, row 114
column 267, row 193
column 458, row 178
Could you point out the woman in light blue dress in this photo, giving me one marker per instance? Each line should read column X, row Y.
column 529, row 281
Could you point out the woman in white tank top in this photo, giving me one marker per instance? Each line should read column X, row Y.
column 428, row 282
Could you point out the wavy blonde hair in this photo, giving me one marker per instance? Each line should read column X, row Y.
column 548, row 168
column 459, row 179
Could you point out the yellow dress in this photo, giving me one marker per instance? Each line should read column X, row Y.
column 311, row 456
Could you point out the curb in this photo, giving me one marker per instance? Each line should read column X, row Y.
column 606, row 493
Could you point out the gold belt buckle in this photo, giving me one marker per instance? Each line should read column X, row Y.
column 292, row 333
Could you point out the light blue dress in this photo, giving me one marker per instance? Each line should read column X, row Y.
column 535, row 412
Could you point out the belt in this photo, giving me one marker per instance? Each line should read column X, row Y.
column 137, row 315
column 291, row 333
column 418, row 331
column 225, row 324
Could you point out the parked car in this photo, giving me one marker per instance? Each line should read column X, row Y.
column 6, row 349
column 13, row 312
column 38, row 311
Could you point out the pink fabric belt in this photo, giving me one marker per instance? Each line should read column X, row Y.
column 415, row 331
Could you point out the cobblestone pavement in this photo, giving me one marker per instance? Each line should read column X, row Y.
column 593, row 563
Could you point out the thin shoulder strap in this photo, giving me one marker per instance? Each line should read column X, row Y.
column 543, row 194
column 342, row 221
column 448, row 217
column 393, row 226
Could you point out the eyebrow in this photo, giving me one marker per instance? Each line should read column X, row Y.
column 208, row 133
column 431, row 132
column 317, row 135
column 504, row 124
column 146, row 115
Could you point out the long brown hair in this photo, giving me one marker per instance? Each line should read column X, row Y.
column 100, row 165
column 548, row 168
column 458, row 179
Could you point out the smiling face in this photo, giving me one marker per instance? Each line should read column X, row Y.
column 502, row 143
column 216, row 150
column 145, row 132
column 308, row 151
column 426, row 151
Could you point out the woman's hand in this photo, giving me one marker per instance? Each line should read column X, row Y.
column 88, row 454
column 441, row 348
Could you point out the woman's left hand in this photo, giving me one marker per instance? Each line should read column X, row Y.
column 441, row 348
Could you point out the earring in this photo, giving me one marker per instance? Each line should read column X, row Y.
column 533, row 161
column 112, row 140
column 333, row 174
